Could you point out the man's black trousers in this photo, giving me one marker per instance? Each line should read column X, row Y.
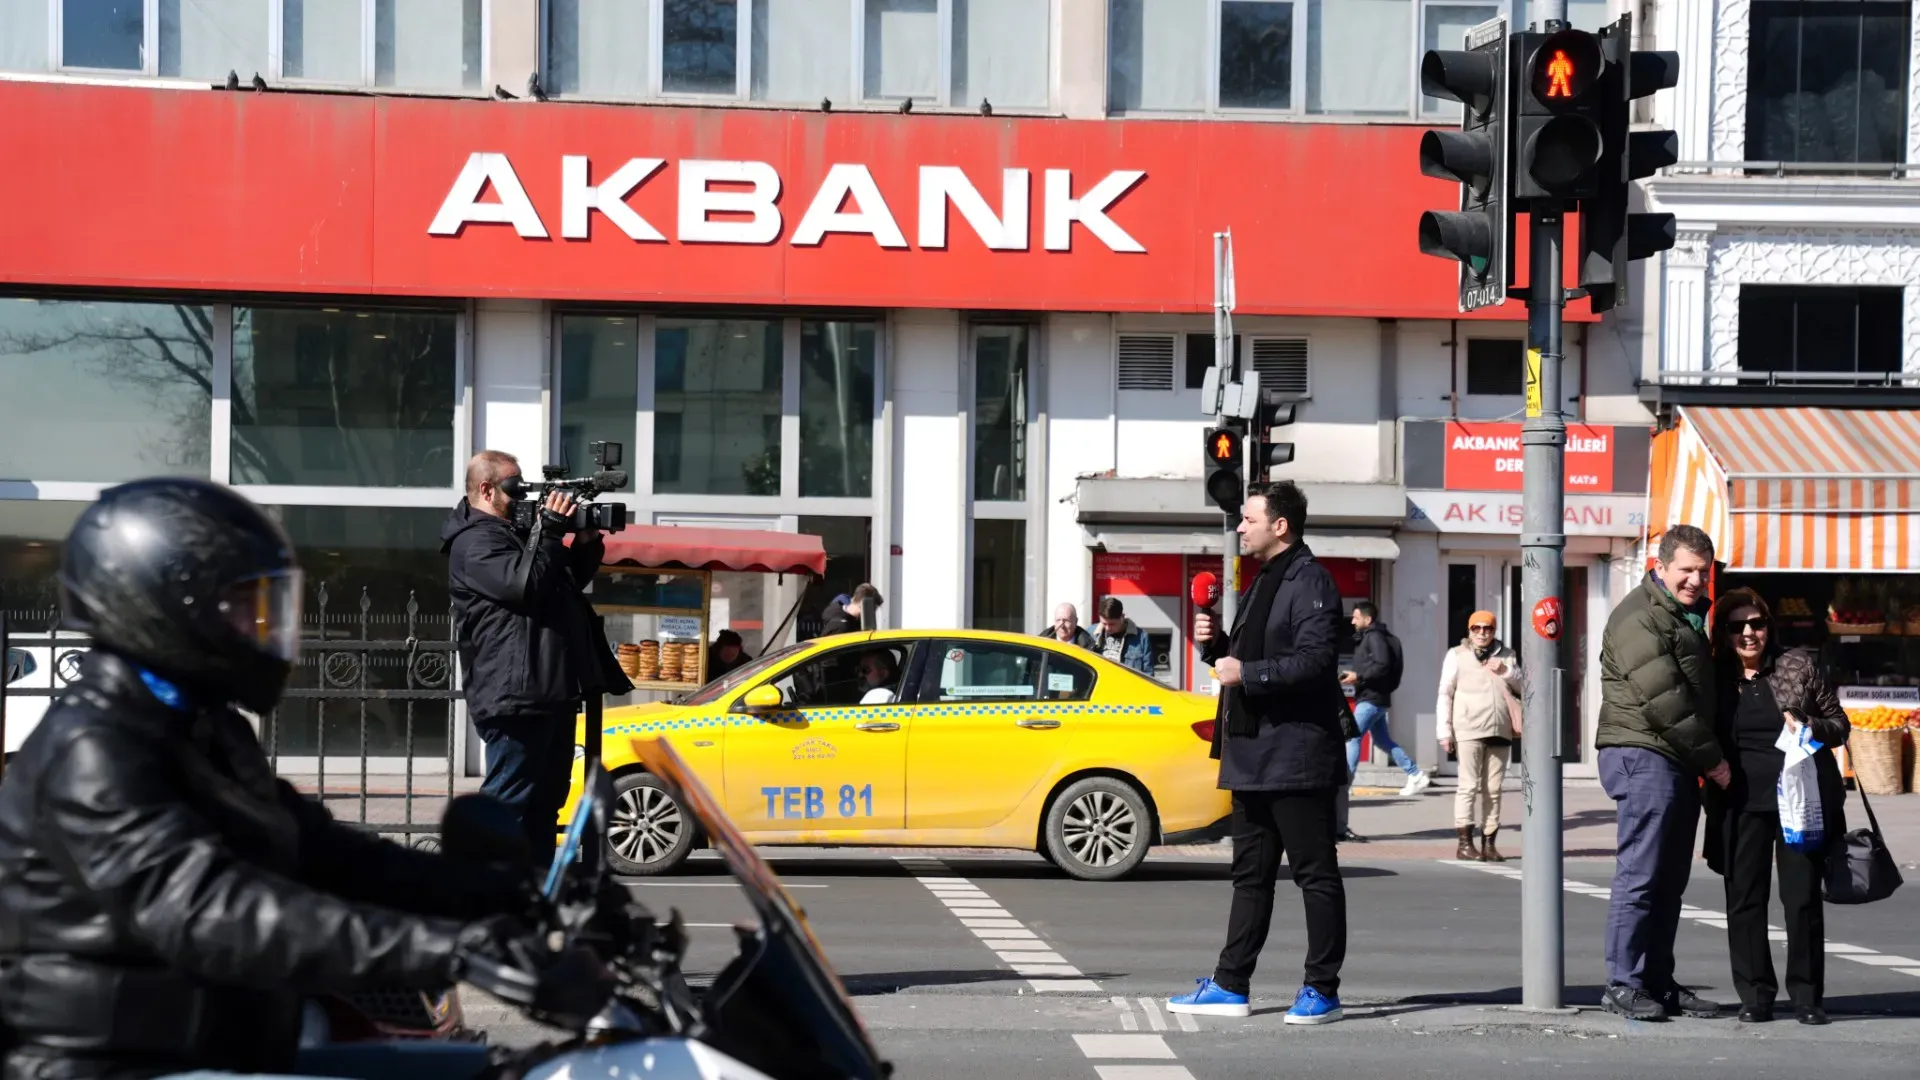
column 1300, row 826
column 529, row 767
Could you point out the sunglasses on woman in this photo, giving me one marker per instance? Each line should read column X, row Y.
column 1480, row 629
column 1739, row 626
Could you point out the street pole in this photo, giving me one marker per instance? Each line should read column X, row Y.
column 1229, row 374
column 1542, row 548
column 1544, row 437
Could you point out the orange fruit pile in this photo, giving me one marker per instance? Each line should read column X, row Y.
column 1881, row 718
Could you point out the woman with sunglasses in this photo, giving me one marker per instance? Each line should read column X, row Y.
column 1762, row 688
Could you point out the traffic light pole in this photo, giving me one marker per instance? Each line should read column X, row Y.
column 1229, row 373
column 1542, row 544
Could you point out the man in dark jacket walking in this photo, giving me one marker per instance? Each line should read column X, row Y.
column 1656, row 740
column 1282, row 755
column 1377, row 666
column 528, row 648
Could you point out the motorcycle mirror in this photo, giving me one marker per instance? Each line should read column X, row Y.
column 483, row 829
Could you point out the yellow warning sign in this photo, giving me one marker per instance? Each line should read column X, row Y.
column 1533, row 382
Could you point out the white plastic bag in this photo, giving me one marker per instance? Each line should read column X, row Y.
column 1801, row 824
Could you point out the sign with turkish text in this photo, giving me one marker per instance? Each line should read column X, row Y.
column 350, row 194
column 1500, row 513
column 1491, row 457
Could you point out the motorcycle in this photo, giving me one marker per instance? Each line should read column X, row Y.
column 776, row 1011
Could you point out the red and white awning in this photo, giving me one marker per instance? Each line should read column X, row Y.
column 1794, row 488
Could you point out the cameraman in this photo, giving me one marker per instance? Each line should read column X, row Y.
column 527, row 639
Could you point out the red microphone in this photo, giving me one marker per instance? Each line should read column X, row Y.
column 1205, row 591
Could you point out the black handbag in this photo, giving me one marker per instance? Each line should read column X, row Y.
column 1860, row 869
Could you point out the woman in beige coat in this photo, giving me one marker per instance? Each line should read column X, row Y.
column 1479, row 710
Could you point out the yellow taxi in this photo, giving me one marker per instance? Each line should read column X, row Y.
column 952, row 738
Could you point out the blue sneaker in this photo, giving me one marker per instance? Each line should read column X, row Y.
column 1311, row 1006
column 1208, row 999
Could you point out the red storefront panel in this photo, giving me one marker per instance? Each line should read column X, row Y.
column 309, row 193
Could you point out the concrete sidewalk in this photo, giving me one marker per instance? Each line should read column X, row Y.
column 1422, row 826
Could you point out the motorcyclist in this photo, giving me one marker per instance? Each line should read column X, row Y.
column 165, row 900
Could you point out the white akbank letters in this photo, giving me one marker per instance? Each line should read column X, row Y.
column 847, row 201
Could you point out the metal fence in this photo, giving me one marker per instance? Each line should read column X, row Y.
column 369, row 724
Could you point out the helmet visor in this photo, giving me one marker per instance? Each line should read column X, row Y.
column 265, row 611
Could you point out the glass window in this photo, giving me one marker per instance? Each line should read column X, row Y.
column 108, row 34
column 205, row 39
column 903, row 49
column 332, row 397
column 1000, row 413
column 700, row 47
column 101, row 391
column 368, row 563
column 984, row 671
column 1445, row 26
column 1001, row 51
column 1066, row 679
column 837, row 361
column 1496, row 367
column 321, row 40
column 1357, row 57
column 598, row 47
column 32, row 536
column 23, row 35
column 864, row 675
column 849, row 544
column 1200, row 357
column 1000, row 576
column 1827, row 82
column 599, row 385
column 1827, row 329
column 802, row 50
column 720, row 380
column 1256, row 54
column 1158, row 56
column 415, row 43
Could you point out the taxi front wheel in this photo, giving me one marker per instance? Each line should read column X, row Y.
column 649, row 832
column 1099, row 829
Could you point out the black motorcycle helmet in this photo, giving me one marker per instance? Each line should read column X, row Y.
column 190, row 580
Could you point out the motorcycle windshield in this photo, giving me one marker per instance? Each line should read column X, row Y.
column 794, row 961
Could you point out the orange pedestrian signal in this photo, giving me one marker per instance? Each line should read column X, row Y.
column 1560, row 75
column 1223, row 446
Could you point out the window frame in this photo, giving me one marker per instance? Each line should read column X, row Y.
column 1449, row 111
column 1753, row 119
column 852, row 90
column 275, row 70
column 643, row 503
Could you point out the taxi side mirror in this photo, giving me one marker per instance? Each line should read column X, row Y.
column 766, row 698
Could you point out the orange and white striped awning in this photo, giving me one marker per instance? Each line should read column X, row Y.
column 1796, row 488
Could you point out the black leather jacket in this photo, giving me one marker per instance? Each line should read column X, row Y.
column 166, row 901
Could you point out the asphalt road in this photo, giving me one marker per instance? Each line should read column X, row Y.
column 1431, row 978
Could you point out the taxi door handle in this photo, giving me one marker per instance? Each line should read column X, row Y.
column 1036, row 722
column 877, row 725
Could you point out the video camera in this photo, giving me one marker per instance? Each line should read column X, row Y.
column 606, row 517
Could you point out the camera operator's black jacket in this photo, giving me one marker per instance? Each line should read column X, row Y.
column 165, row 900
column 527, row 644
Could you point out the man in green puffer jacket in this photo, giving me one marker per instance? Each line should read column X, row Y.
column 1655, row 742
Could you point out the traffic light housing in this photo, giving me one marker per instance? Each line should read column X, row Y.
column 1225, row 487
column 1264, row 454
column 1480, row 234
column 1558, row 81
column 1611, row 237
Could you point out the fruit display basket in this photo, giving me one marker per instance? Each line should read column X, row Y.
column 1876, row 750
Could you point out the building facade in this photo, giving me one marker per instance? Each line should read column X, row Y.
column 931, row 279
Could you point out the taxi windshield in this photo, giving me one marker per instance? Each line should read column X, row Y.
column 721, row 686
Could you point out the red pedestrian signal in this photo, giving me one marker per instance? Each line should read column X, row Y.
column 1223, row 446
column 1560, row 75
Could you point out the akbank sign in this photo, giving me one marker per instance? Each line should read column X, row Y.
column 739, row 202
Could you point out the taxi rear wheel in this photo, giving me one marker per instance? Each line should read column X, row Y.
column 1099, row 829
column 649, row 832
